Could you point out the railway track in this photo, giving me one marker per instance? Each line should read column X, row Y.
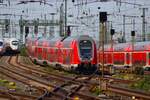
column 69, row 88
column 49, row 75
column 52, row 93
column 15, row 96
column 17, row 76
column 77, row 82
column 129, row 92
column 114, row 89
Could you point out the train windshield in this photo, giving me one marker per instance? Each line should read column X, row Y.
column 14, row 42
column 85, row 47
column 1, row 43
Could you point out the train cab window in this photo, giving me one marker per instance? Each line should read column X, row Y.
column 85, row 47
column 14, row 42
column 1, row 43
column 147, row 69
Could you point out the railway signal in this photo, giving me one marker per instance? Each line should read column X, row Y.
column 26, row 31
column 7, row 23
column 102, row 20
column 1, row 1
column 132, row 33
column 112, row 32
column 103, row 17
column 68, row 31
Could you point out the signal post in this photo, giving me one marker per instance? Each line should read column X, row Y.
column 102, row 31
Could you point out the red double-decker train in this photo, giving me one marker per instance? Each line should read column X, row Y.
column 126, row 54
column 71, row 53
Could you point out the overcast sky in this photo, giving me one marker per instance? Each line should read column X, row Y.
column 87, row 25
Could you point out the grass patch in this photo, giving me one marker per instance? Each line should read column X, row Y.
column 23, row 51
column 9, row 85
column 96, row 90
column 143, row 84
column 51, row 69
column 126, row 76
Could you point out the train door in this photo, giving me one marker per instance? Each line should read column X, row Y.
column 64, row 56
column 128, row 60
column 49, row 55
column 68, row 56
column 52, row 55
column 45, row 53
column 39, row 53
column 55, row 54
column 59, row 55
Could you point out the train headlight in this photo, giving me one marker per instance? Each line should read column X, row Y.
column 133, row 97
column 84, row 41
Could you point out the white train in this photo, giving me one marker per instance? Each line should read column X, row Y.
column 1, row 47
column 11, row 44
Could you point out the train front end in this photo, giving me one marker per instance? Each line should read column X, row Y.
column 87, row 53
column 11, row 45
column 1, row 47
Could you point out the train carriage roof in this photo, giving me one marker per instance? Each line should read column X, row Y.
column 54, row 41
column 68, row 42
column 128, row 46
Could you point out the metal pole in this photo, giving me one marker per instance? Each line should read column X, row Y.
column 133, row 24
column 102, row 42
column 112, row 44
column 132, row 52
column 45, row 28
column 112, row 48
column 124, row 19
column 143, row 23
column 21, row 29
column 65, row 17
column 61, row 21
